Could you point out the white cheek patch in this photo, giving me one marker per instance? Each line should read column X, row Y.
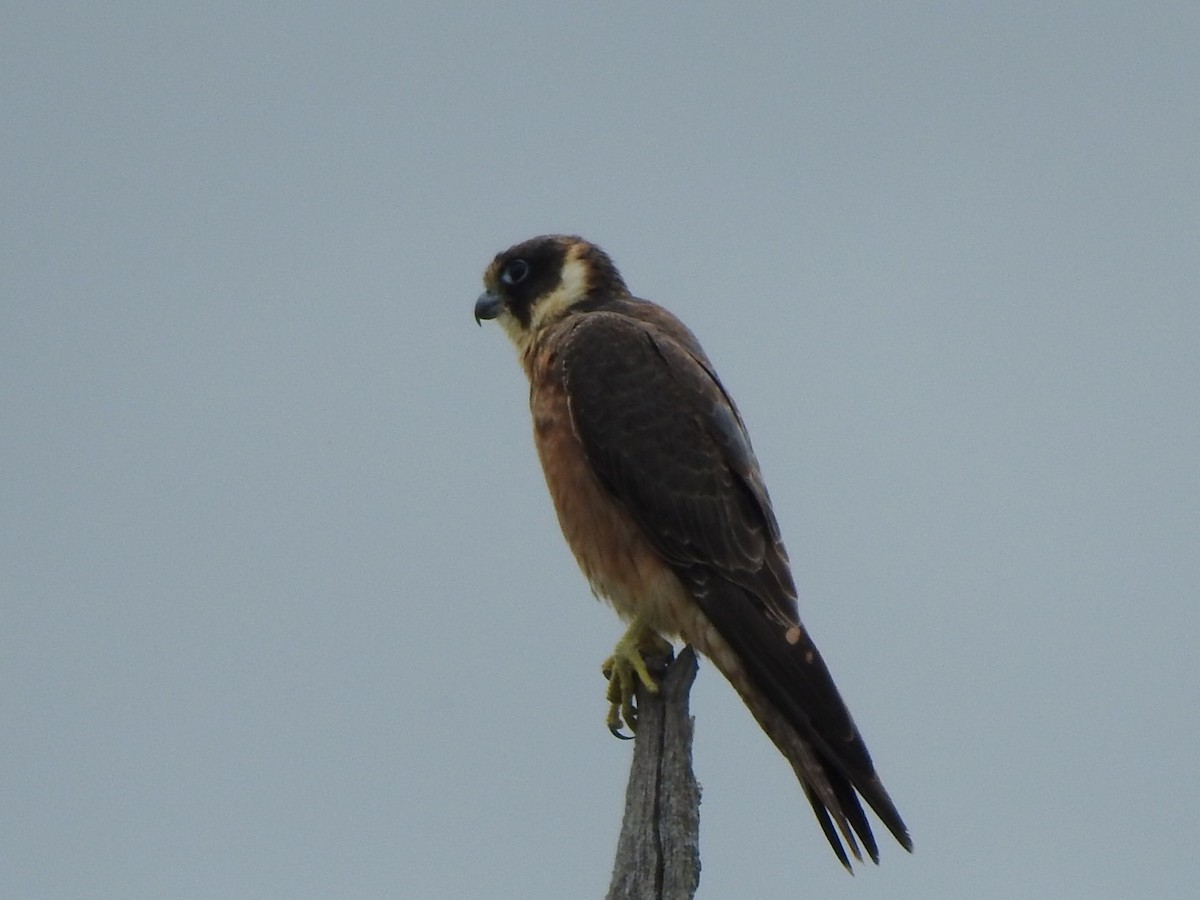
column 572, row 287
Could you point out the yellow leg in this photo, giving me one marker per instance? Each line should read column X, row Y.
column 625, row 669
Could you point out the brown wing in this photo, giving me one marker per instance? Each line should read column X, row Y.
column 665, row 439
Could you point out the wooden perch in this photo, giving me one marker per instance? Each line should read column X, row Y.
column 658, row 852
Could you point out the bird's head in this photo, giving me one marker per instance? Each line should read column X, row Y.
column 538, row 281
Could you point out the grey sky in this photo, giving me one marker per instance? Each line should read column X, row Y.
column 285, row 611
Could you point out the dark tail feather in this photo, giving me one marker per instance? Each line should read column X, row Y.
column 848, row 800
column 831, row 834
column 793, row 696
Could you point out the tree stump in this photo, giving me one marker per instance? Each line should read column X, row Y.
column 658, row 852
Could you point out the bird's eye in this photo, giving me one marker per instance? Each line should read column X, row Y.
column 515, row 272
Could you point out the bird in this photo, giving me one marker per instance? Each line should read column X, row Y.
column 662, row 502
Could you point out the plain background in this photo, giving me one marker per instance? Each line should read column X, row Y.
column 285, row 610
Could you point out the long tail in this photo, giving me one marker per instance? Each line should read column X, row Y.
column 782, row 678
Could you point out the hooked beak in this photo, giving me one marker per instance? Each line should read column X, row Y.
column 488, row 306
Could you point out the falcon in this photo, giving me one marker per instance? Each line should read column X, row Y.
column 661, row 501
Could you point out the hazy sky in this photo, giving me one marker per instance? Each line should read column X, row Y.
column 284, row 609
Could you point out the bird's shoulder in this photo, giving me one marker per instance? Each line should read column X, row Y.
column 620, row 320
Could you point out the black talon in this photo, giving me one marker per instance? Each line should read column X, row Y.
column 615, row 731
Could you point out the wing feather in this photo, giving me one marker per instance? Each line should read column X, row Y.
column 666, row 440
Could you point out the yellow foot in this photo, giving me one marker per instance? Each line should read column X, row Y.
column 625, row 669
